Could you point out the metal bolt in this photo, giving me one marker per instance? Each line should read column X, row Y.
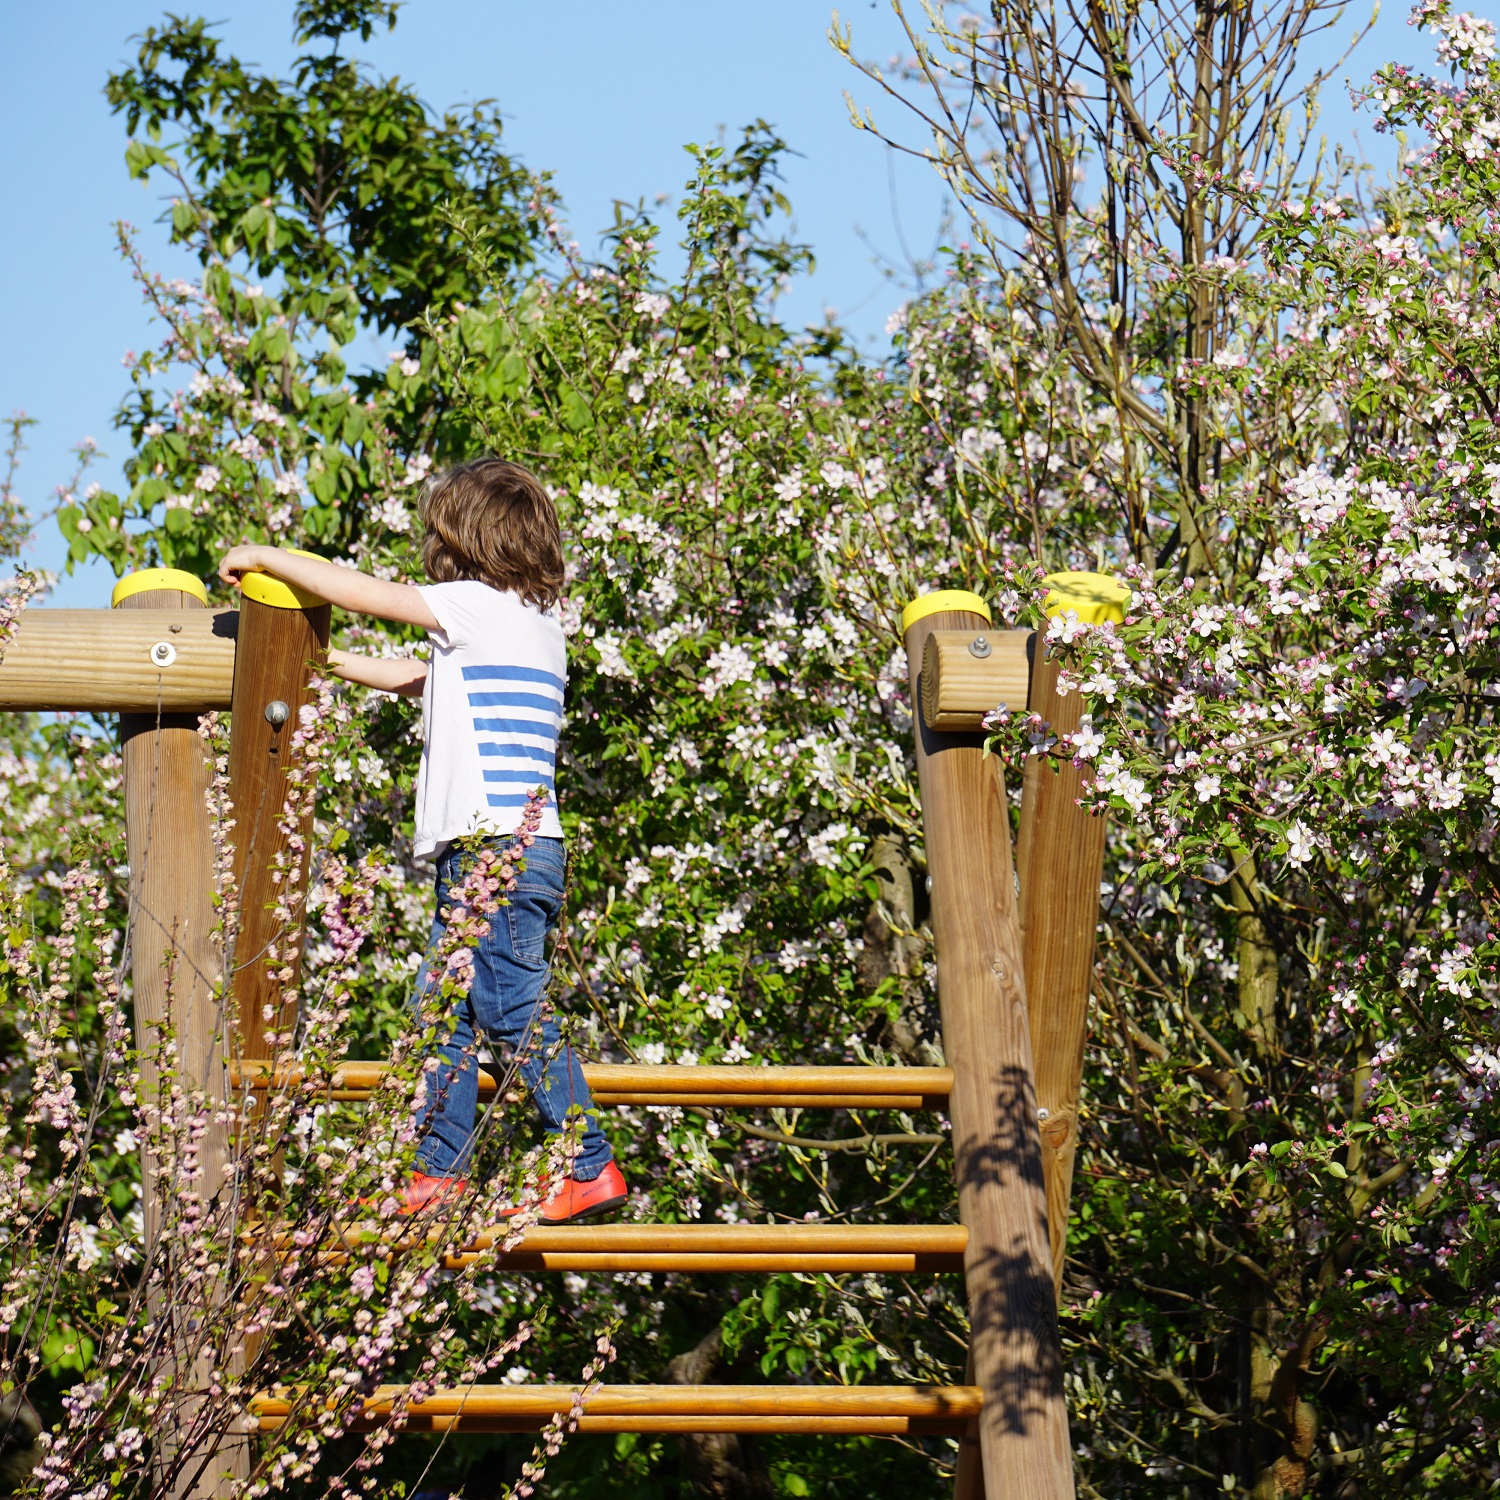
column 980, row 647
column 1044, row 1113
column 277, row 713
column 163, row 653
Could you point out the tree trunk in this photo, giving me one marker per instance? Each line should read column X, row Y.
column 719, row 1465
column 893, row 947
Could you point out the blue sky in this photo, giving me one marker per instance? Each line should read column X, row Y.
column 604, row 98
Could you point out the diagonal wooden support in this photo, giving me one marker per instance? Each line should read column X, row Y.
column 1017, row 1362
column 1060, row 858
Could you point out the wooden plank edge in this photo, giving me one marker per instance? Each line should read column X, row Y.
column 587, row 1423
column 775, row 1402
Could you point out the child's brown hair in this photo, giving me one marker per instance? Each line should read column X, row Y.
column 491, row 520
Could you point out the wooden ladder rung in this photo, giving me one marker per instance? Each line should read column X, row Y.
column 901, row 1409
column 689, row 1247
column 705, row 1087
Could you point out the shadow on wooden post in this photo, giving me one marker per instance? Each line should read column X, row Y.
column 176, row 966
column 1016, row 1359
column 1060, row 857
column 283, row 634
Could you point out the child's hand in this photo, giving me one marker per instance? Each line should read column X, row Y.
column 241, row 560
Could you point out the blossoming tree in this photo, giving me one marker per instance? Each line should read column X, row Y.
column 1263, row 393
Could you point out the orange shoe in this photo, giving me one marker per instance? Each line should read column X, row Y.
column 424, row 1192
column 572, row 1199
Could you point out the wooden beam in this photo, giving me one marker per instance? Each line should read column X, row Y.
column 914, row 1410
column 845, row 1248
column 1060, row 856
column 176, row 968
column 967, row 674
column 1017, row 1361
column 704, row 1087
column 281, row 638
column 1060, row 859
column 112, row 661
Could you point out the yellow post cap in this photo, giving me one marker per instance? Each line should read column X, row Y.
column 939, row 601
column 276, row 591
column 1094, row 597
column 151, row 580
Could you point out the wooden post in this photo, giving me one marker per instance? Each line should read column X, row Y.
column 1060, row 856
column 1017, row 1362
column 176, row 966
column 283, row 631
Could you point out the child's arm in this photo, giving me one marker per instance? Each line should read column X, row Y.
column 398, row 674
column 347, row 587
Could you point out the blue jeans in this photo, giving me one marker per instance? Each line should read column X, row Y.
column 510, row 979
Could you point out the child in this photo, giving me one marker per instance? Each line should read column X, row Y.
column 491, row 708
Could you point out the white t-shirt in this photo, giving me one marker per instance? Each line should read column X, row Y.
column 491, row 712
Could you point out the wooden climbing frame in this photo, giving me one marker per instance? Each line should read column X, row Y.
column 1014, row 943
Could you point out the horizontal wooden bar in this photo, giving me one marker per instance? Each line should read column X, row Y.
column 959, row 687
column 929, row 1410
column 872, row 1426
column 723, row 1078
column 704, row 1087
column 896, row 1248
column 809, row 1100
column 421, row 1423
column 745, row 1248
column 730, row 1263
column 782, row 1238
column 101, row 661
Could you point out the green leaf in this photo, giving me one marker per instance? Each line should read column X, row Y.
column 253, row 224
column 576, row 412
column 138, row 158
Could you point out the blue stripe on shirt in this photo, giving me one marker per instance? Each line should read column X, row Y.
column 531, row 778
column 532, row 727
column 515, row 700
column 508, row 700
column 515, row 674
column 522, row 752
column 507, row 799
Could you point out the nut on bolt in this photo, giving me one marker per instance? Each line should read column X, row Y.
column 163, row 654
column 980, row 647
column 277, row 713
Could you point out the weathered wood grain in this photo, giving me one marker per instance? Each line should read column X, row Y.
column 276, row 654
column 1017, row 1362
column 99, row 660
column 960, row 688
column 1060, row 857
column 176, row 967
